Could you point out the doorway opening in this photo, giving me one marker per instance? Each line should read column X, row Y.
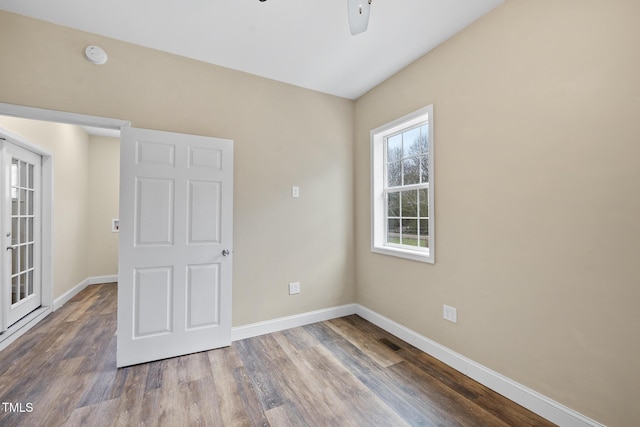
column 175, row 237
column 27, row 220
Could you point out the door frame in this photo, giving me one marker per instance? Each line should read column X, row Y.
column 47, row 258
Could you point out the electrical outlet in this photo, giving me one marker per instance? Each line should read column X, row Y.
column 450, row 313
column 294, row 288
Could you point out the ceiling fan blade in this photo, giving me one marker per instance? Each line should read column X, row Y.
column 358, row 15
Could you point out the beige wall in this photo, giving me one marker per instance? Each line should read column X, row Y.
column 69, row 146
column 283, row 136
column 537, row 169
column 104, row 185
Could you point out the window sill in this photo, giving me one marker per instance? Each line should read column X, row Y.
column 421, row 256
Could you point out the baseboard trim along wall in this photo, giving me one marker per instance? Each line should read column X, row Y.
column 23, row 325
column 95, row 280
column 99, row 280
column 524, row 396
column 32, row 319
column 288, row 322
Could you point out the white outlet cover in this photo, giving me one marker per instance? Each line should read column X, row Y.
column 449, row 313
column 294, row 288
column 295, row 191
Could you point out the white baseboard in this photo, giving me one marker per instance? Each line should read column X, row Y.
column 95, row 280
column 22, row 326
column 288, row 322
column 524, row 396
column 98, row 280
column 62, row 299
column 29, row 321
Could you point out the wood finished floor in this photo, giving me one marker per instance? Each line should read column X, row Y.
column 343, row 372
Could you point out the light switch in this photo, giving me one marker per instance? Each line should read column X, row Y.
column 295, row 191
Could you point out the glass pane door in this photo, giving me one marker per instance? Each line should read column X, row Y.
column 22, row 188
column 21, row 223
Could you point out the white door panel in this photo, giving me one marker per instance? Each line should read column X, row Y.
column 176, row 201
column 21, row 234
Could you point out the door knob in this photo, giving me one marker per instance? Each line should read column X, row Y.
column 11, row 247
column 225, row 252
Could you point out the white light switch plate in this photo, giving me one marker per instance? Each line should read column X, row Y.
column 449, row 313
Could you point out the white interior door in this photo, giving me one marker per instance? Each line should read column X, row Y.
column 21, row 243
column 176, row 231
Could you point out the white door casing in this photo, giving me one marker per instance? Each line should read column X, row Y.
column 21, row 232
column 176, row 249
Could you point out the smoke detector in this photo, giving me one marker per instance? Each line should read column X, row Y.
column 95, row 55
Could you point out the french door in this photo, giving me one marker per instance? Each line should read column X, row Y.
column 21, row 242
column 175, row 253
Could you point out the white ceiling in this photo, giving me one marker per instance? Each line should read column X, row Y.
column 302, row 42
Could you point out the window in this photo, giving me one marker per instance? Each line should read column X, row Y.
column 402, row 187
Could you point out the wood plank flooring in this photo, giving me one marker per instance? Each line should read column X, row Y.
column 343, row 372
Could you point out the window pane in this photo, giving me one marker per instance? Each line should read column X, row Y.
column 15, row 254
column 14, row 290
column 424, row 139
column 14, row 230
column 23, row 202
column 14, row 202
column 14, row 183
column 394, row 174
column 393, row 203
column 23, row 286
column 394, row 148
column 424, row 203
column 30, row 283
column 410, row 232
column 30, row 230
column 23, row 230
column 23, row 258
column 14, row 173
column 23, row 174
column 411, row 171
column 424, row 233
column 393, row 231
column 411, row 142
column 410, row 203
column 30, row 253
column 424, row 168
column 30, row 203
column 31, row 183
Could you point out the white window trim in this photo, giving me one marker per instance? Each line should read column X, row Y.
column 378, row 201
